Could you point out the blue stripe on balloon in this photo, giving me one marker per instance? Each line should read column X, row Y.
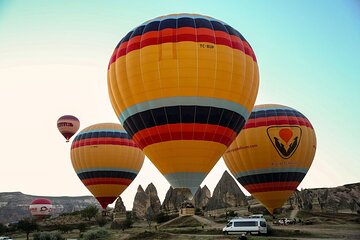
column 83, row 170
column 184, row 101
column 269, row 170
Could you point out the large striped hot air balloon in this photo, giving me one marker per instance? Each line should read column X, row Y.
column 183, row 86
column 68, row 126
column 272, row 154
column 106, row 160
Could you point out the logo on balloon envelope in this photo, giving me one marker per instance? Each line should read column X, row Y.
column 285, row 139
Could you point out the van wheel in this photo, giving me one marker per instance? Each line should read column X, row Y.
column 226, row 233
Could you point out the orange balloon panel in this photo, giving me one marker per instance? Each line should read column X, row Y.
column 68, row 126
column 106, row 160
column 272, row 154
column 183, row 86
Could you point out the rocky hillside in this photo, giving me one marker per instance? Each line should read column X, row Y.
column 342, row 199
column 14, row 205
column 202, row 197
column 175, row 197
column 146, row 203
column 226, row 194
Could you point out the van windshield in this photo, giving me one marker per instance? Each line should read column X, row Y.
column 245, row 224
column 229, row 224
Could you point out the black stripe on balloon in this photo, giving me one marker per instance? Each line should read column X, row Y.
column 276, row 112
column 184, row 114
column 107, row 174
column 272, row 177
column 172, row 23
column 102, row 134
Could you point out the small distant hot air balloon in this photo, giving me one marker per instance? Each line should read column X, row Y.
column 182, row 86
column 106, row 160
column 68, row 126
column 272, row 154
column 41, row 208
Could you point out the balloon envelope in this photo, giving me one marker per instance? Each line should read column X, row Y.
column 183, row 86
column 68, row 126
column 41, row 207
column 106, row 160
column 272, row 154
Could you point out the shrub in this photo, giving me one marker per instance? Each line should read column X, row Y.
column 89, row 212
column 92, row 235
column 163, row 217
column 47, row 236
column 101, row 221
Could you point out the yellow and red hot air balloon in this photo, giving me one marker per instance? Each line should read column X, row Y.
column 272, row 154
column 106, row 160
column 68, row 126
column 41, row 208
column 183, row 86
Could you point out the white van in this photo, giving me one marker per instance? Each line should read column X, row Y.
column 246, row 225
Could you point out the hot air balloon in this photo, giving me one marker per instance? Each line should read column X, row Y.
column 183, row 86
column 106, row 160
column 68, row 126
column 272, row 154
column 40, row 208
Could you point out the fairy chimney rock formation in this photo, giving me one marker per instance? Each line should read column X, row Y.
column 226, row 194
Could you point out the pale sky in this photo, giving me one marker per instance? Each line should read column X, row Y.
column 54, row 57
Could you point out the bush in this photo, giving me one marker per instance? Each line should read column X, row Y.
column 89, row 212
column 92, row 235
column 101, row 221
column 71, row 213
column 127, row 223
column 3, row 229
column 65, row 228
column 232, row 214
column 163, row 217
column 47, row 236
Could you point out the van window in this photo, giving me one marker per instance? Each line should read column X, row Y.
column 245, row 224
column 263, row 224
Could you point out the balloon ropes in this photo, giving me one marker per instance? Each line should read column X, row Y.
column 272, row 154
column 183, row 87
column 106, row 160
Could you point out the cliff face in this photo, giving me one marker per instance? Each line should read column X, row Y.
column 202, row 197
column 175, row 197
column 119, row 206
column 146, row 203
column 14, row 206
column 226, row 194
column 343, row 199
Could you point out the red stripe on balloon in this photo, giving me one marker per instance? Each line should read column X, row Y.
column 103, row 141
column 180, row 35
column 184, row 131
column 271, row 186
column 95, row 181
column 277, row 120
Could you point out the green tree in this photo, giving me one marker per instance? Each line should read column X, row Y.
column 3, row 229
column 27, row 225
column 89, row 212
